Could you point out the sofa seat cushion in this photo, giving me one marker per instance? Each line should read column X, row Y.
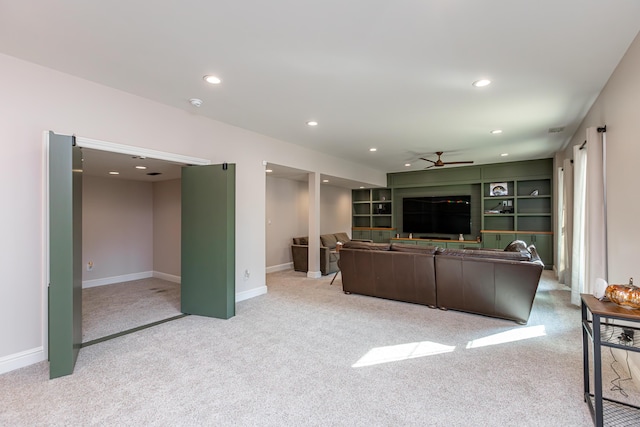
column 418, row 249
column 479, row 253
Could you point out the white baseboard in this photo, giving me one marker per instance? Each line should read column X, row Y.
column 167, row 277
column 314, row 274
column 22, row 359
column 116, row 279
column 251, row 293
column 280, row 267
column 240, row 296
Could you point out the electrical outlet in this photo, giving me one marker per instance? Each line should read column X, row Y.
column 90, row 266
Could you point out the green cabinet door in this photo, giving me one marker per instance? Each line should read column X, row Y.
column 361, row 234
column 65, row 254
column 208, row 241
column 497, row 240
column 381, row 236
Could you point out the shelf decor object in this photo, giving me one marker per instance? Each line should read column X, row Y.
column 626, row 296
column 498, row 189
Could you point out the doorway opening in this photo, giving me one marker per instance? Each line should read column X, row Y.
column 131, row 243
column 207, row 241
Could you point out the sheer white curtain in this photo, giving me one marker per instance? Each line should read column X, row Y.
column 567, row 193
column 578, row 264
column 589, row 249
column 560, row 218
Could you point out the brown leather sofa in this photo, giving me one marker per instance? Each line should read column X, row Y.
column 328, row 260
column 500, row 284
column 398, row 272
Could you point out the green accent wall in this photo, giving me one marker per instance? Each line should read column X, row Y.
column 472, row 174
column 529, row 198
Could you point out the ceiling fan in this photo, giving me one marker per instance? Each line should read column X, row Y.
column 439, row 163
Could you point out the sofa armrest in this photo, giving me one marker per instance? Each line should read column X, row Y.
column 300, row 257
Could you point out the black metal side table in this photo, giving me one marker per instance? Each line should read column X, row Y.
column 606, row 411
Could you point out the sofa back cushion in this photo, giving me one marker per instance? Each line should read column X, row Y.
column 328, row 240
column 300, row 240
column 418, row 249
column 479, row 253
column 342, row 237
column 354, row 244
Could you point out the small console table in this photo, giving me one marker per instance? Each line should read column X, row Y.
column 607, row 411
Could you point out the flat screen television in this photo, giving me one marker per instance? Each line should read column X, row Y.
column 437, row 214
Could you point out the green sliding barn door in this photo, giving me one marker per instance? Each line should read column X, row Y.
column 65, row 254
column 208, row 240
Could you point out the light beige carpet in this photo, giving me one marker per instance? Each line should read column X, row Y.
column 306, row 354
column 114, row 308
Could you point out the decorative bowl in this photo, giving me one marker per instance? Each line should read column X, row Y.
column 626, row 296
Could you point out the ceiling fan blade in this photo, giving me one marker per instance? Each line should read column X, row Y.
column 432, row 166
column 458, row 163
column 427, row 160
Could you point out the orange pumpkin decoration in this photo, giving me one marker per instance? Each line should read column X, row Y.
column 627, row 296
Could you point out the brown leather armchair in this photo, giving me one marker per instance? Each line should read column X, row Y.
column 328, row 255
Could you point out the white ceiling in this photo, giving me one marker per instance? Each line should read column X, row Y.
column 102, row 163
column 392, row 75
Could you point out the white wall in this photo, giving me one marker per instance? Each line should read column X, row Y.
column 36, row 99
column 618, row 107
column 117, row 228
column 286, row 205
column 335, row 209
column 288, row 215
column 167, row 204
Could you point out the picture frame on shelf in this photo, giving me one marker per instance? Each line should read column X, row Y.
column 498, row 189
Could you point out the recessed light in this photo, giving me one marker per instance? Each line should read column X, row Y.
column 361, row 186
column 496, row 131
column 312, row 123
column 114, row 173
column 212, row 79
column 269, row 170
column 407, row 164
column 141, row 167
column 325, row 180
column 373, row 149
column 482, row 83
column 504, row 154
